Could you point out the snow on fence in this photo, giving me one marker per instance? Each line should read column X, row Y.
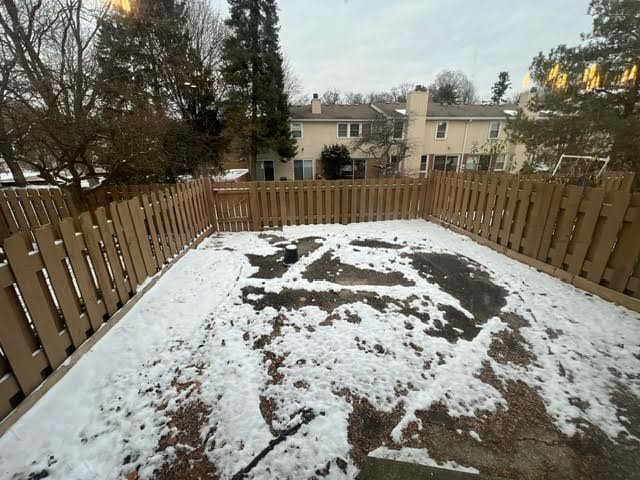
column 59, row 291
column 24, row 209
column 581, row 233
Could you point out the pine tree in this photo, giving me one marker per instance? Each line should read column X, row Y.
column 588, row 97
column 161, row 116
column 500, row 87
column 258, row 110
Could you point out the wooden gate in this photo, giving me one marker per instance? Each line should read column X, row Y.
column 231, row 208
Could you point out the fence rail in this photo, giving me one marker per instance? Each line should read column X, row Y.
column 257, row 205
column 24, row 209
column 58, row 292
column 62, row 280
column 589, row 232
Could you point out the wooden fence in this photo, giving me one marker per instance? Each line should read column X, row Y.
column 588, row 232
column 61, row 281
column 257, row 205
column 24, row 209
column 56, row 294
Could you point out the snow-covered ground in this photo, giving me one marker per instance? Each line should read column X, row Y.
column 354, row 349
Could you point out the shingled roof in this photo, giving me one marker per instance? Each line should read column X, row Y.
column 368, row 112
column 334, row 112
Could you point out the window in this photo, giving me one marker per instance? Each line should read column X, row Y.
column 398, row 129
column 441, row 130
column 366, row 130
column 494, row 130
column 264, row 170
column 484, row 163
column 296, row 130
column 447, row 163
column 303, row 169
column 352, row 130
column 501, row 162
column 424, row 162
column 356, row 168
column 471, row 162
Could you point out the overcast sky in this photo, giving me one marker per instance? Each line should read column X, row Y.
column 367, row 45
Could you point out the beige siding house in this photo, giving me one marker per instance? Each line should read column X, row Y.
column 439, row 137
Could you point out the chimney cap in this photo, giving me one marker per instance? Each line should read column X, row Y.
column 315, row 96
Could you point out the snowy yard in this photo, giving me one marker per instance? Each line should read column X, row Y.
column 399, row 339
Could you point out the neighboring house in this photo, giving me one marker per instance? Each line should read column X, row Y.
column 440, row 137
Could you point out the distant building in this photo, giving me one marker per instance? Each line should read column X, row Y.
column 440, row 137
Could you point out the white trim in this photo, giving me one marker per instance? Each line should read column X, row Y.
column 301, row 130
column 489, row 137
column 349, row 129
column 453, row 119
column 446, row 130
column 505, row 163
column 313, row 167
column 332, row 120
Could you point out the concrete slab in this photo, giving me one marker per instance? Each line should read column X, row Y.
column 384, row 469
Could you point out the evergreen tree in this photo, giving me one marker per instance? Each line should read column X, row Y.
column 500, row 87
column 258, row 110
column 588, row 96
column 157, row 105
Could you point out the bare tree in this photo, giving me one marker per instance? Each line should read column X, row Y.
column 384, row 140
column 331, row 97
column 292, row 84
column 354, row 98
column 7, row 134
column 401, row 91
column 53, row 92
column 453, row 86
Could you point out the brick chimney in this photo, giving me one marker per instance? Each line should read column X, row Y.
column 316, row 107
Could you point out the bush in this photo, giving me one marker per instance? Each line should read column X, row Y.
column 333, row 158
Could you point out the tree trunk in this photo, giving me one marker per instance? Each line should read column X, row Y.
column 9, row 156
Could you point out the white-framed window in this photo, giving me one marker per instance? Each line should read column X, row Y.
column 296, row 130
column 501, row 162
column 441, row 130
column 303, row 169
column 424, row 163
column 398, row 129
column 351, row 130
column 494, row 130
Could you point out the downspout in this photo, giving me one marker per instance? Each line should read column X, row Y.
column 464, row 144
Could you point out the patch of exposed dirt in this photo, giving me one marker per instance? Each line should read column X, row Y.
column 521, row 441
column 272, row 266
column 376, row 244
column 293, row 299
column 457, row 325
column 509, row 346
column 268, row 407
column 369, row 428
column 464, row 279
column 190, row 462
column 329, row 268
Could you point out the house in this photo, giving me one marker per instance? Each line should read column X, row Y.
column 439, row 137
